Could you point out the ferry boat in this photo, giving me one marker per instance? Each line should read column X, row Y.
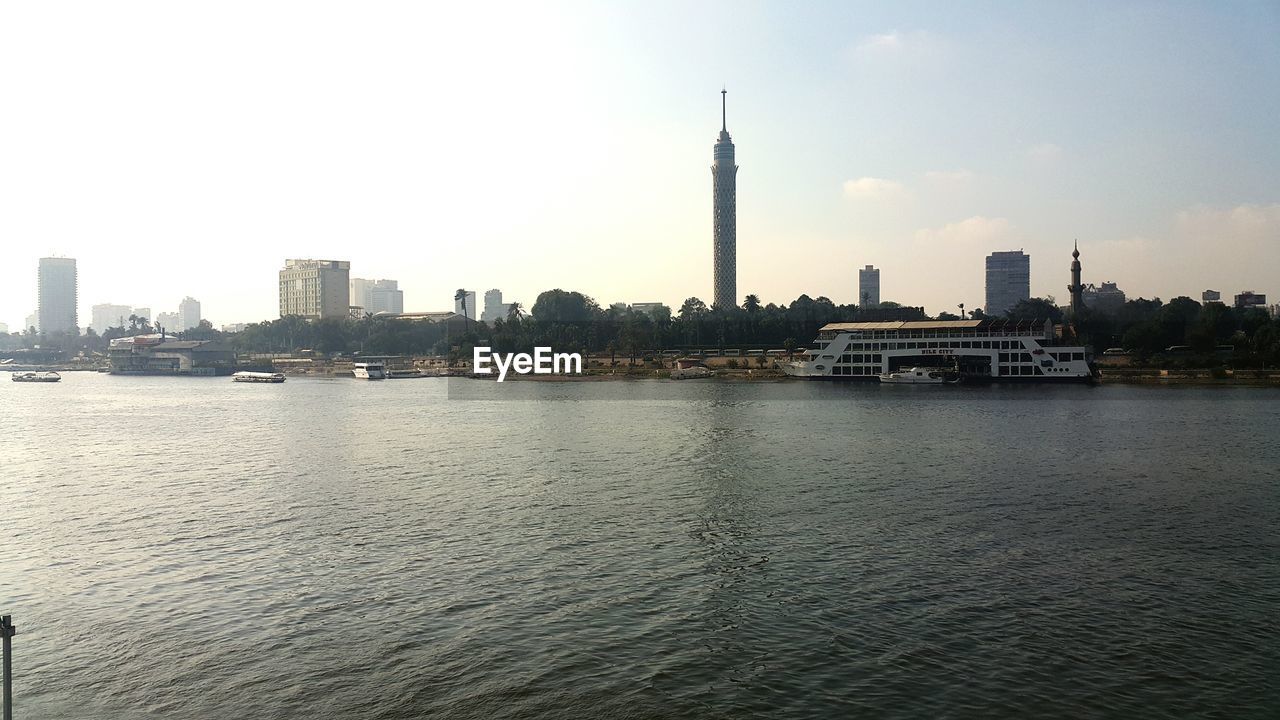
column 257, row 377
column 36, row 377
column 995, row 350
column 917, row 376
column 690, row 369
column 369, row 370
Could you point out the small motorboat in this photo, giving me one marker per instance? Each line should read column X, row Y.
column 257, row 377
column 403, row 373
column 690, row 369
column 917, row 376
column 36, row 377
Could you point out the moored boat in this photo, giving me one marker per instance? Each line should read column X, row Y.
column 37, row 377
column 369, row 370
column 403, row 373
column 992, row 350
column 257, row 377
column 915, row 376
column 690, row 369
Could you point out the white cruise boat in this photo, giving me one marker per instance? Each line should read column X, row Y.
column 994, row 350
column 369, row 370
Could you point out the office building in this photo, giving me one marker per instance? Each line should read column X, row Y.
column 107, row 316
column 724, row 235
column 360, row 294
column 1106, row 298
column 170, row 322
column 494, row 308
column 188, row 314
column 654, row 310
column 1250, row 299
column 1209, row 296
column 376, row 296
column 868, row 287
column 315, row 289
column 57, row 295
column 1008, row 281
column 386, row 297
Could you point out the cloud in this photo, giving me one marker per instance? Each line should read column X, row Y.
column 1044, row 152
column 895, row 43
column 990, row 233
column 950, row 177
column 870, row 188
column 1242, row 229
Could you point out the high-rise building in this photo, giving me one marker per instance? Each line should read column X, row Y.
column 724, row 232
column 375, row 296
column 386, row 296
column 654, row 310
column 1250, row 299
column 4, row 328
column 1210, row 296
column 107, row 316
column 188, row 314
column 171, row 322
column 470, row 304
column 144, row 313
column 32, row 321
column 1008, row 281
column 494, row 308
column 361, row 294
column 868, row 287
column 57, row 295
column 315, row 289
column 1107, row 297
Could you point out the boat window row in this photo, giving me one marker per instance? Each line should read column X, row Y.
column 925, row 334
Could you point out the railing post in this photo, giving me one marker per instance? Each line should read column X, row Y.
column 7, row 630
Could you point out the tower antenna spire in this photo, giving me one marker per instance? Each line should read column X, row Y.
column 724, row 118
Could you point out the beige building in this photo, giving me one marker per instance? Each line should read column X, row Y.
column 315, row 289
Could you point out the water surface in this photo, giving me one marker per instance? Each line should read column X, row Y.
column 638, row 549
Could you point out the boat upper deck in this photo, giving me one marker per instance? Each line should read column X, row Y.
column 986, row 327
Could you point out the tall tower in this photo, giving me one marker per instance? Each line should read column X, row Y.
column 1075, row 288
column 724, row 191
column 56, row 295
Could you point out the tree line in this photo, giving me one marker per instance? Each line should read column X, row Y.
column 571, row 321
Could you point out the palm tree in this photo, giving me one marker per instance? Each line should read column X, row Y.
column 514, row 312
column 752, row 304
column 461, row 296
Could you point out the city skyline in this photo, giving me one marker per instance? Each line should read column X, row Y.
column 1143, row 131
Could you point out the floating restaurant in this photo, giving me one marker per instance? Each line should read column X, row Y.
column 159, row 355
column 989, row 349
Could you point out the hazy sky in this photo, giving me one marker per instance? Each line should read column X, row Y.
column 181, row 148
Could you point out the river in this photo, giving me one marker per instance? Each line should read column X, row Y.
column 197, row 548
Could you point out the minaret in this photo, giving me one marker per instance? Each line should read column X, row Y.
column 1075, row 288
column 725, row 217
